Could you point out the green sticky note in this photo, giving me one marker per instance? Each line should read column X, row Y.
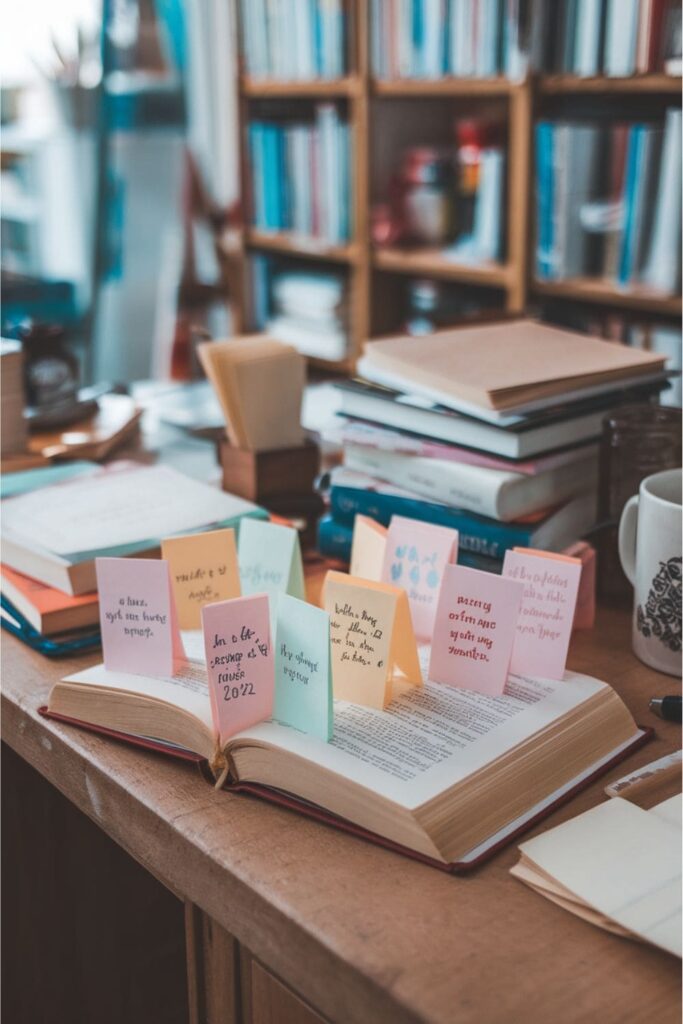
column 303, row 675
column 270, row 559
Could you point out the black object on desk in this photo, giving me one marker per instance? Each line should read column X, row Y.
column 668, row 708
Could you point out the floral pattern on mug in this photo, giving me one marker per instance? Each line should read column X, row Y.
column 661, row 616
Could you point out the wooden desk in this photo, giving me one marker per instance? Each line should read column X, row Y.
column 359, row 934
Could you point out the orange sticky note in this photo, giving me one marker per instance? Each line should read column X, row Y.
column 371, row 639
column 204, row 570
column 367, row 548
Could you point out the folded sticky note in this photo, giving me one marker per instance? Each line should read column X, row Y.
column 544, row 626
column 371, row 637
column 138, row 618
column 203, row 569
column 270, row 559
column 474, row 629
column 367, row 548
column 415, row 557
column 303, row 676
column 239, row 662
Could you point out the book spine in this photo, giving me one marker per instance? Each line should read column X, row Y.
column 480, row 536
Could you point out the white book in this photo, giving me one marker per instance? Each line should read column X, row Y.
column 587, row 38
column 500, row 494
column 433, row 13
column 662, row 265
column 621, row 37
column 310, row 341
column 489, row 206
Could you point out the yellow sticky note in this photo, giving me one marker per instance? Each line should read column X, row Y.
column 367, row 548
column 203, row 569
column 371, row 639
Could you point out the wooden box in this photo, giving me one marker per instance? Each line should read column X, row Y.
column 260, row 476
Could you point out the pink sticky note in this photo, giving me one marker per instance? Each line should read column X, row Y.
column 474, row 629
column 546, row 614
column 138, row 617
column 240, row 662
column 415, row 557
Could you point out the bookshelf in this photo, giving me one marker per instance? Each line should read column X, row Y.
column 375, row 274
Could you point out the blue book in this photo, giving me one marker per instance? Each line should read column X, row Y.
column 271, row 184
column 632, row 178
column 544, row 174
column 14, row 622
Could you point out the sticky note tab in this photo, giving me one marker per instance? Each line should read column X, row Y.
column 138, row 619
column 303, row 674
column 239, row 663
column 415, row 557
column 203, row 569
column 550, row 587
column 367, row 549
column 270, row 559
column 371, row 638
column 474, row 629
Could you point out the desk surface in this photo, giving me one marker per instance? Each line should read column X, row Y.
column 363, row 934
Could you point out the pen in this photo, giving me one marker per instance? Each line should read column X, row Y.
column 668, row 708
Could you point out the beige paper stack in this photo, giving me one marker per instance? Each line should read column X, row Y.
column 13, row 433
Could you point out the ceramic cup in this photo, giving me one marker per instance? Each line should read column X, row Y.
column 650, row 550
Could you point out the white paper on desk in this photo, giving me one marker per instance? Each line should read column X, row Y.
column 115, row 509
column 623, row 862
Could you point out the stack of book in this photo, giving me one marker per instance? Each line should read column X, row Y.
column 294, row 39
column 609, row 202
column 300, row 176
column 492, row 430
column 309, row 311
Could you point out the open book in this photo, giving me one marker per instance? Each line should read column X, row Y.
column 445, row 774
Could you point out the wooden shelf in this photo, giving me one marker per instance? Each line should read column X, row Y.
column 314, row 89
column 568, row 85
column 468, row 88
column 298, row 245
column 434, row 263
column 595, row 290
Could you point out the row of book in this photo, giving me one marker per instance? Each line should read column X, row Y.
column 507, row 456
column 609, row 201
column 300, row 175
column 294, row 39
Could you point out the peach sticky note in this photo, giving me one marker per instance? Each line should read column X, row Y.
column 138, row 619
column 584, row 616
column 367, row 549
column 239, row 662
column 474, row 629
column 415, row 557
column 203, row 569
column 546, row 614
column 371, row 639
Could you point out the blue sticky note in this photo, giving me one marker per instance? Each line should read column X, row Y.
column 303, row 675
column 269, row 557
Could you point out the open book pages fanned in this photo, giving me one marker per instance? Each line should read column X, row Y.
column 446, row 773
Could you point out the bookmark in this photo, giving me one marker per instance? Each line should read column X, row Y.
column 416, row 555
column 371, row 637
column 303, row 675
column 138, row 619
column 203, row 569
column 474, row 629
column 544, row 626
column 270, row 559
column 367, row 549
column 239, row 663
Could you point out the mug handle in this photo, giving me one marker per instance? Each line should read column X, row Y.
column 628, row 526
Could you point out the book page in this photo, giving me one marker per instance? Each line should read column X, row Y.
column 431, row 737
column 187, row 689
column 670, row 810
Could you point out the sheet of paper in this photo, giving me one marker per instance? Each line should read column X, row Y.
column 474, row 629
column 416, row 555
column 203, row 569
column 303, row 673
column 371, row 637
column 546, row 614
column 622, row 861
column 367, row 549
column 138, row 619
column 239, row 662
column 270, row 559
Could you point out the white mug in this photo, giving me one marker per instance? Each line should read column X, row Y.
column 650, row 549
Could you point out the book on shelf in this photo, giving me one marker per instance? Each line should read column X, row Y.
column 354, row 494
column 304, row 308
column 118, row 512
column 449, row 804
column 48, row 610
column 291, row 40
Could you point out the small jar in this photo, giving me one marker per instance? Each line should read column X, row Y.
column 637, row 440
